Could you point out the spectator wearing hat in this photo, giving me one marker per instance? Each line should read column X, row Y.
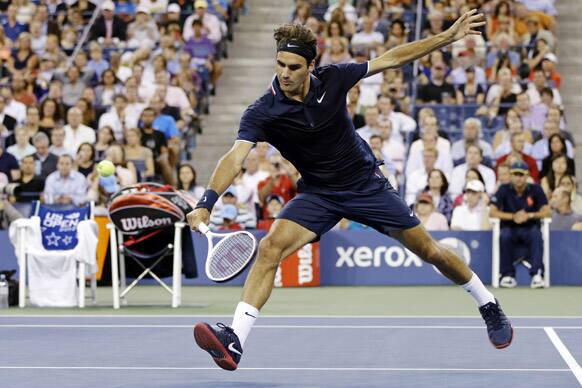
column 549, row 66
column 473, row 214
column 109, row 28
column 231, row 198
column 274, row 204
column 210, row 22
column 143, row 32
column 229, row 214
column 172, row 21
column 563, row 217
column 520, row 206
column 428, row 215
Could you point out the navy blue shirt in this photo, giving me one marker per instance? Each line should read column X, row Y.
column 316, row 135
column 8, row 163
column 507, row 200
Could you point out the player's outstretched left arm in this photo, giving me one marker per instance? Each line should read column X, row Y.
column 467, row 24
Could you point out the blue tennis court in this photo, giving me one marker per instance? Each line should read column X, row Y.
column 289, row 351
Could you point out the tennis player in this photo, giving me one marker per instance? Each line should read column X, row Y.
column 303, row 114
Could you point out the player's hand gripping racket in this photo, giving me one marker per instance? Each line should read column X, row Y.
column 230, row 256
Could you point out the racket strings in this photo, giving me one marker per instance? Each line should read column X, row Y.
column 231, row 254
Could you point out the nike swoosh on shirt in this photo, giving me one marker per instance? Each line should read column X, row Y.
column 232, row 349
column 319, row 100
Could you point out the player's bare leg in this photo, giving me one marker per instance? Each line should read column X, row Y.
column 450, row 265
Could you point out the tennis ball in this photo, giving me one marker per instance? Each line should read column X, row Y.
column 105, row 168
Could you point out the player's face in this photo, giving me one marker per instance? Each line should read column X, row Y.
column 292, row 72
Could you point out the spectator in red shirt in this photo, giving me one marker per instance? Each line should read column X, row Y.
column 516, row 154
column 274, row 204
column 279, row 182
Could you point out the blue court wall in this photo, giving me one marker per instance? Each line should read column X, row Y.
column 369, row 258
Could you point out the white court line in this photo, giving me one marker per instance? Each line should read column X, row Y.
column 565, row 353
column 283, row 316
column 422, row 327
column 528, row 370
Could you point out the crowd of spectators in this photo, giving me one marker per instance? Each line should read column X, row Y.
column 81, row 82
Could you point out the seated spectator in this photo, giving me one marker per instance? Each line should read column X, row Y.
column 532, row 116
column 9, row 164
column 13, row 28
column 474, row 158
column 348, row 10
column 415, row 156
column 7, row 124
column 473, row 214
column 401, row 123
column 143, row 32
column 115, row 117
column 438, row 188
column 274, row 205
column 21, row 91
column 32, row 123
column 278, row 182
column 471, row 135
column 502, row 95
column 354, row 107
column 105, row 138
column 551, row 73
column 470, row 92
column 435, row 24
column 438, row 90
column 535, row 32
column 557, row 146
column 539, row 86
column 85, row 162
column 124, row 169
column 24, row 58
column 568, row 182
column 58, row 143
column 229, row 214
column 472, row 174
column 558, row 169
column 65, row 186
column 97, row 64
column 425, row 210
column 371, row 127
column 46, row 161
column 397, row 35
column 74, row 82
column 367, row 39
column 516, row 153
column 502, row 140
column 243, row 217
column 210, row 22
column 51, row 115
column 465, row 64
column 141, row 157
column 75, row 132
column 187, row 181
column 501, row 55
column 392, row 149
column 109, row 29
column 417, row 180
column 157, row 142
column 109, row 87
column 22, row 147
column 541, row 149
column 520, row 205
column 250, row 180
column 336, row 54
column 563, row 217
column 30, row 186
column 503, row 175
column 167, row 125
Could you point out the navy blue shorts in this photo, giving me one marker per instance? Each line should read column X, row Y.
column 374, row 203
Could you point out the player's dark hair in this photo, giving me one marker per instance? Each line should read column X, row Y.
column 294, row 32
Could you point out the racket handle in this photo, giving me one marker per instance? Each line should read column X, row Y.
column 203, row 228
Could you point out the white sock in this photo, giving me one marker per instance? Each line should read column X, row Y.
column 478, row 291
column 245, row 316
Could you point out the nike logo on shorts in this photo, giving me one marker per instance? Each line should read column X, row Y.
column 319, row 100
column 232, row 349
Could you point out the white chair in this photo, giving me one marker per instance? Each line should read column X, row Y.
column 496, row 229
column 56, row 233
column 118, row 269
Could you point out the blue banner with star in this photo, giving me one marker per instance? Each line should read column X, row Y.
column 59, row 227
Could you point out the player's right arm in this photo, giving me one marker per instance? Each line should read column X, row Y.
column 226, row 170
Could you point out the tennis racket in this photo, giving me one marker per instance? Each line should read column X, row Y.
column 229, row 256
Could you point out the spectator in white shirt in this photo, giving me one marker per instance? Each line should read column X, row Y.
column 14, row 108
column 367, row 38
column 536, row 88
column 371, row 127
column 134, row 108
column 58, row 143
column 348, row 9
column 429, row 139
column 473, row 214
column 392, row 149
column 22, row 147
column 473, row 157
column 210, row 22
column 75, row 132
column 401, row 123
column 417, row 180
column 115, row 117
column 471, row 134
column 65, row 186
column 250, row 179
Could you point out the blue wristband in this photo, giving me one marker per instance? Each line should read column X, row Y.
column 207, row 200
